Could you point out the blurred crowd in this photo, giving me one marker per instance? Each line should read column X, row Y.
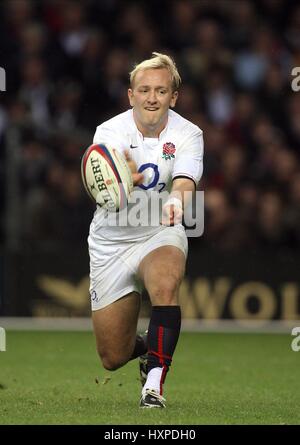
column 67, row 65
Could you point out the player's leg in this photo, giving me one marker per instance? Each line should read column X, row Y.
column 162, row 271
column 115, row 328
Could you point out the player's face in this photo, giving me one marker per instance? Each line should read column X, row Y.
column 151, row 97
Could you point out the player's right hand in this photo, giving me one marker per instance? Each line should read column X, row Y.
column 137, row 178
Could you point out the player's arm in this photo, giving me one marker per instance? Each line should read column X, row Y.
column 187, row 172
column 182, row 190
column 181, row 185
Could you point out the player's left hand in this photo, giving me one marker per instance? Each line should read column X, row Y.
column 171, row 214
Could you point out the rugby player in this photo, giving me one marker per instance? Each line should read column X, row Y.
column 163, row 150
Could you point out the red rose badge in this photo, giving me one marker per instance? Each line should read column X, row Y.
column 168, row 150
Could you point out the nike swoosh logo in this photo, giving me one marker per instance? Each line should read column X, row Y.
column 133, row 146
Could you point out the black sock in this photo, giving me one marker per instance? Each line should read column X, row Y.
column 140, row 346
column 163, row 333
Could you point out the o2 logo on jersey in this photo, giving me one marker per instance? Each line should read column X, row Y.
column 155, row 176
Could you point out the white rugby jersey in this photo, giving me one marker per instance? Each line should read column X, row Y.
column 178, row 152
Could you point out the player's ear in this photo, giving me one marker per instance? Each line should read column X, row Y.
column 130, row 97
column 174, row 99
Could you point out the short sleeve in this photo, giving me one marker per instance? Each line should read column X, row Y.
column 189, row 159
column 107, row 135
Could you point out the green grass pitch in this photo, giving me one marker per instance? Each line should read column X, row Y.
column 56, row 378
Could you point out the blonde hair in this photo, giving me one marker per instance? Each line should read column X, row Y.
column 158, row 61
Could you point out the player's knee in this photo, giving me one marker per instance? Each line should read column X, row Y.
column 166, row 291
column 111, row 361
column 111, row 365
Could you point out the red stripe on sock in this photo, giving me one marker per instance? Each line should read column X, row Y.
column 160, row 345
column 164, row 356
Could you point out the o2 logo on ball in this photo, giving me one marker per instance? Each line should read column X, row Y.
column 296, row 341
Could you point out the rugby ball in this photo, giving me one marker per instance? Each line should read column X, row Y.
column 106, row 176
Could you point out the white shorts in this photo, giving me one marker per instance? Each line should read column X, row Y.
column 113, row 267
